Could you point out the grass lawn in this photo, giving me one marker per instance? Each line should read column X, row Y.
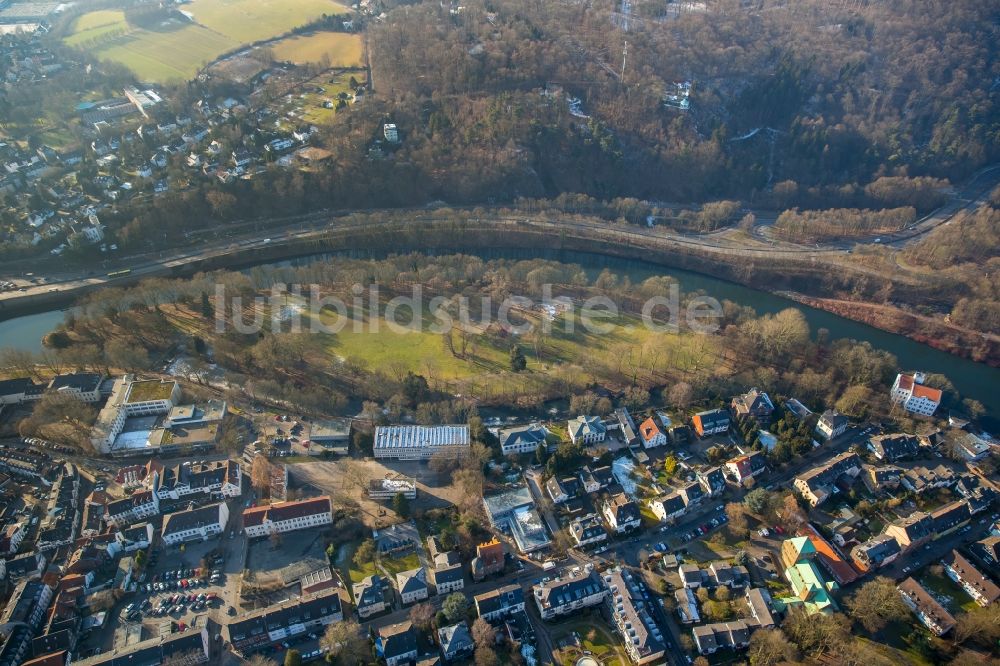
column 175, row 48
column 952, row 596
column 485, row 367
column 349, row 570
column 395, row 565
column 340, row 48
column 603, row 644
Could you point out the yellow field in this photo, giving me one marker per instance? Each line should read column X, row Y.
column 342, row 49
column 176, row 48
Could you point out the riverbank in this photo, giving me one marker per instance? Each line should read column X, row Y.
column 774, row 271
column 961, row 342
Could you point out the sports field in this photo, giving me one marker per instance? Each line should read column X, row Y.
column 172, row 46
column 339, row 48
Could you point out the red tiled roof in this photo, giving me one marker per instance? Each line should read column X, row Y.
column 843, row 572
column 649, row 429
column 286, row 510
column 921, row 391
column 906, row 382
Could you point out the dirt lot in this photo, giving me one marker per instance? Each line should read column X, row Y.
column 297, row 554
column 347, row 480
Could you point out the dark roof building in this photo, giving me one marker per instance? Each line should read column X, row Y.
column 894, row 447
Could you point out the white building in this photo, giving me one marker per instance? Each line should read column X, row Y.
column 388, row 488
column 630, row 616
column 621, row 513
column 198, row 524
column 287, row 516
column 132, row 398
column 134, row 509
column 652, row 434
column 420, row 442
column 831, row 424
column 391, row 133
column 910, row 392
column 586, row 430
column 522, row 439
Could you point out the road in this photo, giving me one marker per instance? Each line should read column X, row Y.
column 258, row 234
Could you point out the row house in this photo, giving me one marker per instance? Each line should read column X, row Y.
column 710, row 638
column 927, row 609
column 288, row 620
column 983, row 590
column 134, row 509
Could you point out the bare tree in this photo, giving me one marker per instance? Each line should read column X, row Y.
column 483, row 634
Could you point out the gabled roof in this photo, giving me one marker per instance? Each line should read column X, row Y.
column 650, row 430
column 397, row 640
column 455, row 638
column 970, row 575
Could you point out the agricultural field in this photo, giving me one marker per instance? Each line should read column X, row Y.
column 336, row 49
column 174, row 46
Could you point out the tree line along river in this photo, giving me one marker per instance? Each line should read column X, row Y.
column 971, row 379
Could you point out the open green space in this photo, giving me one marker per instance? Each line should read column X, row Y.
column 349, row 570
column 595, row 637
column 395, row 565
column 172, row 45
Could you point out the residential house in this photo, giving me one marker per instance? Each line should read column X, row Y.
column 920, row 479
column 568, row 594
column 911, row 532
column 973, row 447
column 287, row 516
column 668, row 507
column 880, row 479
column 910, row 392
column 456, row 642
column 621, row 513
column 561, row 490
column 875, row 553
column 710, row 638
column 891, row 448
column 983, row 590
column 369, row 596
column 587, row 530
column 754, row 404
column 652, row 434
column 710, row 422
column 687, row 606
column 522, row 439
column 746, row 467
column 817, row 484
column 412, row 585
column 692, row 493
column 927, row 609
column 626, row 425
column 950, row 517
column 397, row 644
column 594, row 480
column 831, row 424
column 503, row 602
column 586, row 430
column 712, row 480
column 761, row 606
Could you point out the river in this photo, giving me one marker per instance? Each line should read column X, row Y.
column 972, row 380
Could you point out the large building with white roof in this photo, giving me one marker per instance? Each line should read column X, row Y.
column 413, row 442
